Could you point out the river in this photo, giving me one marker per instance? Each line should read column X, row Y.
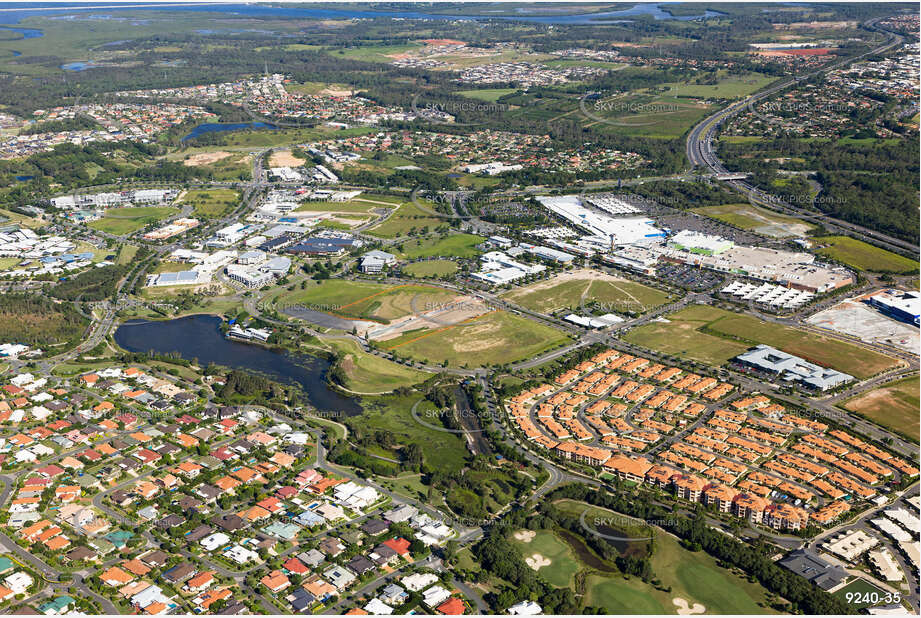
column 19, row 11
column 199, row 337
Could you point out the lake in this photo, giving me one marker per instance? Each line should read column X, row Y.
column 199, row 337
column 218, row 127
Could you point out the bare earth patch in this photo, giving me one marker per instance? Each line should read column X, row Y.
column 205, row 158
column 337, row 92
column 456, row 310
column 685, row 610
column 525, row 536
column 537, row 561
column 284, row 158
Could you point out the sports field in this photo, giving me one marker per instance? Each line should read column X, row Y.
column 595, row 289
column 760, row 220
column 366, row 301
column 713, row 336
column 431, row 268
column 496, row 337
column 406, row 221
column 894, row 405
column 366, row 373
column 455, row 245
column 553, row 558
column 863, row 256
column 122, row 221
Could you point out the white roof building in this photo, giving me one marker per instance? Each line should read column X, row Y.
column 850, row 544
column 525, row 608
column 418, row 581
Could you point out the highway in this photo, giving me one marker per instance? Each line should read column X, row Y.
column 700, row 153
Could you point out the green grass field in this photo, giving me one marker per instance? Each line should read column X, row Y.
column 863, row 256
column 375, row 53
column 894, row 405
column 566, row 292
column 407, row 219
column 122, row 221
column 693, row 576
column 727, row 87
column 761, row 220
column 431, row 268
column 363, row 300
column 366, row 373
column 490, row 95
column 126, row 253
column 862, row 587
column 264, row 138
column 643, row 115
column 211, row 202
column 563, row 565
column 494, row 338
column 455, row 245
column 442, row 450
column 729, row 334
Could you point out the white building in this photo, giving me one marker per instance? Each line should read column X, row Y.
column 418, row 581
column 885, row 564
column 213, row 541
column 375, row 261
column 619, row 230
column 525, row 608
column 498, row 268
column 850, row 544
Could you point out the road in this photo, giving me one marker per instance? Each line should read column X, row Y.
column 700, row 153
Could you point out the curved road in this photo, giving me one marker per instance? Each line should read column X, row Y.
column 700, row 152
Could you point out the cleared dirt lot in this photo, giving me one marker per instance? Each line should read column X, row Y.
column 854, row 317
column 284, row 158
column 206, row 158
column 894, row 405
column 430, row 316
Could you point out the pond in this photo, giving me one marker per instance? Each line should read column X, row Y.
column 199, row 337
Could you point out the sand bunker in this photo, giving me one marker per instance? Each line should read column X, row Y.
column 524, row 536
column 205, row 158
column 685, row 610
column 536, row 561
